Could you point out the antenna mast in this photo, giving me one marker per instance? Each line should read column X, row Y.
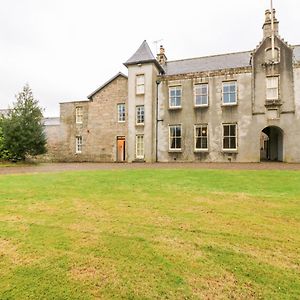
column 156, row 43
column 273, row 32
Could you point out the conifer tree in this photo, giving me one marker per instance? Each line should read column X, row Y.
column 23, row 132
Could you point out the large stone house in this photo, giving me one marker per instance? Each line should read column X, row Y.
column 242, row 107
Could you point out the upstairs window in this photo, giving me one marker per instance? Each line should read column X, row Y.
column 175, row 137
column 78, row 146
column 175, row 96
column 229, row 136
column 201, row 137
column 140, row 84
column 140, row 115
column 79, row 114
column 121, row 112
column 272, row 88
column 229, row 93
column 201, row 94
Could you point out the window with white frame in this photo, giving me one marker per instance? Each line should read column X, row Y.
column 175, row 93
column 140, row 114
column 201, row 137
column 139, row 146
column 229, row 136
column 272, row 88
column 79, row 114
column 229, row 92
column 121, row 112
column 175, row 137
column 140, row 84
column 78, row 146
column 201, row 94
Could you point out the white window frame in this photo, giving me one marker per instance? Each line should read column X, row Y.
column 175, row 137
column 229, row 136
column 200, row 94
column 78, row 144
column 175, row 88
column 201, row 126
column 79, row 114
column 227, row 83
column 140, row 84
column 139, row 146
column 140, row 114
column 272, row 88
column 121, row 112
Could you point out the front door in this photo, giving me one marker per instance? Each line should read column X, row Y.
column 120, row 148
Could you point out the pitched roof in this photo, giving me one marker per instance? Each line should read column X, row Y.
column 51, row 121
column 215, row 62
column 105, row 84
column 208, row 63
column 143, row 55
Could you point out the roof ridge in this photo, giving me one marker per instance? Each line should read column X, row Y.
column 106, row 83
column 208, row 56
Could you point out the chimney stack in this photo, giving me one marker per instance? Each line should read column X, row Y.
column 267, row 27
column 161, row 57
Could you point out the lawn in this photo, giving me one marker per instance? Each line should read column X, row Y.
column 150, row 234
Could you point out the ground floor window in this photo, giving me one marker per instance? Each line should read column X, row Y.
column 201, row 137
column 140, row 146
column 175, row 137
column 78, row 144
column 229, row 136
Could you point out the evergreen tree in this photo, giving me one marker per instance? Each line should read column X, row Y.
column 23, row 132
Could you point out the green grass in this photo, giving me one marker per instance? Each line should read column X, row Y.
column 150, row 234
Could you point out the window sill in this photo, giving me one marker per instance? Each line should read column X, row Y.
column 140, row 125
column 175, row 151
column 175, row 108
column 229, row 150
column 201, row 106
column 229, row 104
column 139, row 160
column 121, row 121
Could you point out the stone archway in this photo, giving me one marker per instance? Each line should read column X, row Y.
column 271, row 144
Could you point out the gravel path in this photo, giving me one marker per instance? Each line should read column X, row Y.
column 61, row 167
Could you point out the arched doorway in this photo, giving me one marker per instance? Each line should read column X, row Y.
column 271, row 144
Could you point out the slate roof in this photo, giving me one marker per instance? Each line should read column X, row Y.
column 105, row 84
column 214, row 63
column 297, row 52
column 143, row 55
column 209, row 63
column 53, row 121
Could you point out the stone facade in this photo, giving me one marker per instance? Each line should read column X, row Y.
column 99, row 129
column 236, row 107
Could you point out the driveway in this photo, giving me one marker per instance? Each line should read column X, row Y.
column 62, row 167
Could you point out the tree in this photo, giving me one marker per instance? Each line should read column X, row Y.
column 23, row 132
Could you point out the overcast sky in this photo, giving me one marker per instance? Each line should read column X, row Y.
column 65, row 49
